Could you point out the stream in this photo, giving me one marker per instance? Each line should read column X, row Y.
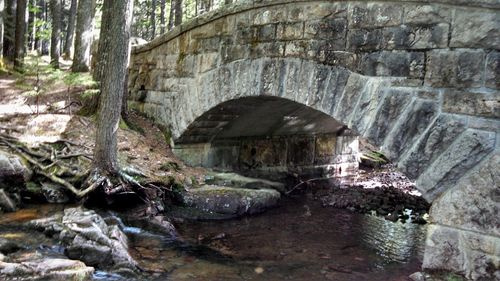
column 298, row 240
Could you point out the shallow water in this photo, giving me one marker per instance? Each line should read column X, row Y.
column 300, row 240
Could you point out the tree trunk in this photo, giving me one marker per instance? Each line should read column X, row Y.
column 1, row 28
column 9, row 29
column 20, row 36
column 171, row 15
column 70, row 31
column 104, row 38
column 83, row 36
column 178, row 12
column 153, row 19
column 162, row 16
column 55, row 37
column 115, row 70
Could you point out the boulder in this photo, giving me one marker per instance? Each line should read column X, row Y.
column 13, row 176
column 45, row 268
column 231, row 200
column 87, row 237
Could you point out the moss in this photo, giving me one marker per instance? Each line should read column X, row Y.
column 90, row 101
column 123, row 125
column 170, row 166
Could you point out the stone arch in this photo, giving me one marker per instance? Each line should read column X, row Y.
column 418, row 79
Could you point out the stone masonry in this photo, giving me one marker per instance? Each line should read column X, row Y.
column 420, row 79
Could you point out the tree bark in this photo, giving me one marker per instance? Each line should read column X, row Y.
column 9, row 29
column 20, row 36
column 153, row 19
column 1, row 27
column 178, row 12
column 83, row 36
column 70, row 31
column 171, row 16
column 115, row 69
column 55, row 37
column 104, row 38
column 162, row 16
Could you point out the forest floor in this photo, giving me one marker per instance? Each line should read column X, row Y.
column 50, row 115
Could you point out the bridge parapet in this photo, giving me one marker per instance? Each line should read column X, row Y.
column 420, row 79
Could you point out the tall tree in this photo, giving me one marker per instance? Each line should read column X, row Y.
column 55, row 38
column 178, row 12
column 153, row 19
column 171, row 15
column 115, row 69
column 9, row 29
column 20, row 36
column 83, row 36
column 70, row 31
column 1, row 27
column 104, row 39
column 162, row 15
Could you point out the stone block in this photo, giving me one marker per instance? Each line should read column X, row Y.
column 207, row 61
column 348, row 101
column 318, row 85
column 331, row 29
column 362, row 15
column 258, row 153
column 290, row 31
column 272, row 72
column 411, row 124
column 301, row 12
column 364, row 39
column 393, row 63
column 492, row 75
column 372, row 95
column 266, row 49
column 473, row 255
column 389, row 111
column 444, row 130
column 461, row 68
column 465, row 152
column 474, row 202
column 477, row 104
column 300, row 151
column 336, row 84
column 426, row 14
column 265, row 33
column 325, row 149
column 269, row 15
column 296, row 48
column 475, row 28
column 232, row 52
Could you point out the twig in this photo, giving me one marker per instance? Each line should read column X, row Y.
column 307, row 181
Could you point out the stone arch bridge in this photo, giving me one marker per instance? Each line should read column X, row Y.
column 419, row 79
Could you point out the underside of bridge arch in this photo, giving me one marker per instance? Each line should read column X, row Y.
column 269, row 137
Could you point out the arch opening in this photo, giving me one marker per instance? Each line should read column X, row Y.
column 269, row 137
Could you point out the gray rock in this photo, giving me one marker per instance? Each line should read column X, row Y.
column 13, row 177
column 471, row 254
column 230, row 200
column 492, row 75
column 473, row 28
column 7, row 203
column 474, row 202
column 459, row 68
column 395, row 63
column 469, row 103
column 45, row 268
column 417, row 276
column 54, row 193
column 465, row 152
column 435, row 141
column 88, row 238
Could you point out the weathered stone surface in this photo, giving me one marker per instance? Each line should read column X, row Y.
column 230, row 200
column 411, row 124
column 426, row 14
column 492, row 75
column 435, row 141
column 477, row 104
column 455, row 69
column 395, row 64
column 7, row 246
column 393, row 104
column 88, row 238
column 464, row 153
column 474, row 202
column 471, row 254
column 55, row 269
column 475, row 29
column 373, row 15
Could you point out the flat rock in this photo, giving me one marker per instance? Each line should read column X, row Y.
column 231, row 200
column 236, row 180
